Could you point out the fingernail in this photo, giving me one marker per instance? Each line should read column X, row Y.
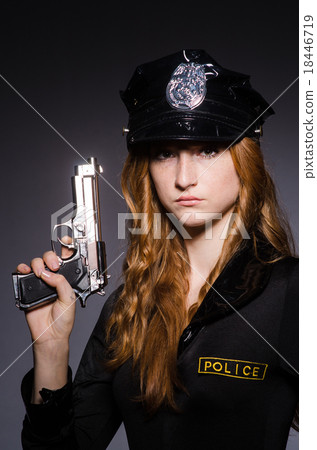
column 55, row 265
column 46, row 274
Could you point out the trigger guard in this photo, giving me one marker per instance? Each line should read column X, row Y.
column 70, row 246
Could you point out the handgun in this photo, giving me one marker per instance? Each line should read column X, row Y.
column 86, row 269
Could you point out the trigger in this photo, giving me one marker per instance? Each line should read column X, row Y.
column 60, row 261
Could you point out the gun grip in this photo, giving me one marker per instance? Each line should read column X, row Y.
column 31, row 291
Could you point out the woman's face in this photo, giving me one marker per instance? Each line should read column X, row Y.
column 194, row 177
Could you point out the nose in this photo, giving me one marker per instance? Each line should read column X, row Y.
column 186, row 174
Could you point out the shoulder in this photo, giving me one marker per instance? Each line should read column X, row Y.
column 285, row 279
column 289, row 263
column 287, row 269
column 283, row 282
column 289, row 327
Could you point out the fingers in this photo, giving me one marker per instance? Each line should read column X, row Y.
column 64, row 290
column 66, row 252
column 37, row 266
column 23, row 268
column 51, row 260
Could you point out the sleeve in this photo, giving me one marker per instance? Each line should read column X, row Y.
column 289, row 331
column 81, row 415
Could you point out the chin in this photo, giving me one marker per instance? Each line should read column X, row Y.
column 195, row 224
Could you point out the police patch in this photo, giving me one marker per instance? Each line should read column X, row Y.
column 187, row 87
column 232, row 368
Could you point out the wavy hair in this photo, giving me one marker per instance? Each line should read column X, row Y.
column 150, row 313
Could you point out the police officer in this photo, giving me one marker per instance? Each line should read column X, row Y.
column 197, row 348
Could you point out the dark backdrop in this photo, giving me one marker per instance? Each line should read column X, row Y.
column 69, row 61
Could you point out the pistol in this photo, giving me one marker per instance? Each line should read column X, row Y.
column 86, row 269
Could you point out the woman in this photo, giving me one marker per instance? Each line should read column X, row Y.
column 197, row 348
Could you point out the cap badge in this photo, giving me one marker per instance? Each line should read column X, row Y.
column 187, row 86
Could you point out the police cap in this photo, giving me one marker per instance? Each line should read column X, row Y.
column 188, row 95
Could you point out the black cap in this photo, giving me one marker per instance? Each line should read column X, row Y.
column 188, row 95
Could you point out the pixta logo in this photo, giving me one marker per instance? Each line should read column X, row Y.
column 180, row 224
column 77, row 222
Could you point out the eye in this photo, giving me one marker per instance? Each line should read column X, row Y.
column 208, row 152
column 162, row 155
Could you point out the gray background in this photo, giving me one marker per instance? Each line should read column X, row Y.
column 69, row 62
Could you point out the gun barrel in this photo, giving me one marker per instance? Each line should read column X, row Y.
column 87, row 222
column 86, row 197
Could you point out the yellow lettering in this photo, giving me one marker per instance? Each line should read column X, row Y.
column 255, row 372
column 231, row 368
column 220, row 366
column 226, row 367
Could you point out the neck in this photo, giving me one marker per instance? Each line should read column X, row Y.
column 204, row 247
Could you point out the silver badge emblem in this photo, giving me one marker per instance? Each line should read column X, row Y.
column 187, row 86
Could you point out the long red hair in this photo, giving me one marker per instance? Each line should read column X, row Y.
column 150, row 314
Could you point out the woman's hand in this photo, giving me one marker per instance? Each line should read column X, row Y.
column 50, row 325
column 53, row 322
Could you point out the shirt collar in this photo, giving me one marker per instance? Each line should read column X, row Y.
column 243, row 279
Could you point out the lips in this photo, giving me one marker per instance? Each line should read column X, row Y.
column 188, row 200
column 187, row 197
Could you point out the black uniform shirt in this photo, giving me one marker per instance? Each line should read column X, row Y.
column 237, row 359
